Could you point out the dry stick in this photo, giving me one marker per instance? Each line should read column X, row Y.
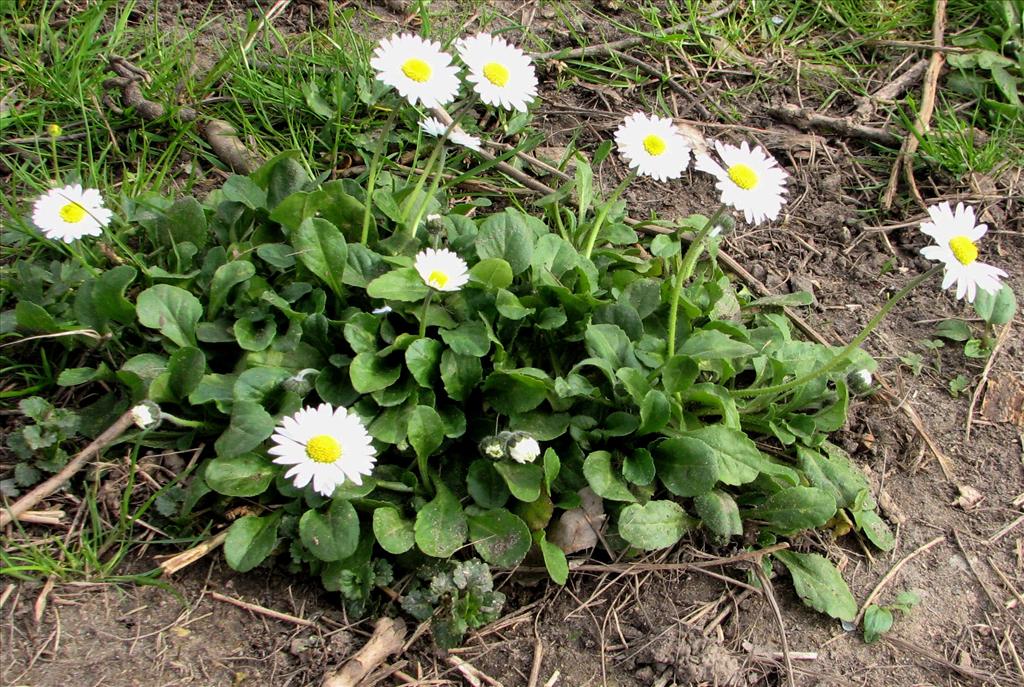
column 892, row 573
column 812, row 121
column 769, row 593
column 679, row 89
column 386, row 639
column 941, row 660
column 190, row 556
column 922, row 122
column 472, row 674
column 26, row 502
column 606, row 48
column 1002, row 532
column 984, row 379
column 538, row 660
column 891, row 91
column 256, row 608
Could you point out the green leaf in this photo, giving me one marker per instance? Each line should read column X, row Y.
column 441, row 527
column 834, row 473
column 493, row 272
column 250, row 540
column 172, row 310
column 469, row 338
column 638, row 467
column 655, row 411
column 877, row 621
column 73, row 376
column 248, row 474
column 719, row 513
column 875, row 529
column 370, row 373
column 395, row 534
column 523, row 479
column 554, row 559
column 287, row 176
column 499, row 537
column 711, row 344
column 819, row 584
column 610, row 343
column 250, row 426
column 315, row 101
column 552, row 466
column 653, row 525
column 996, row 308
column 34, row 318
column 485, row 485
column 603, row 477
column 679, row 374
column 505, row 235
column 333, row 534
column 510, row 307
column 686, row 466
column 954, row 330
column 108, row 294
column 183, row 221
column 460, row 374
column 258, row 383
column 426, row 431
column 227, row 276
column 422, row 358
column 516, row 391
column 254, row 335
column 322, row 249
column 186, row 367
column 739, row 460
column 244, row 190
column 796, row 509
column 403, row 284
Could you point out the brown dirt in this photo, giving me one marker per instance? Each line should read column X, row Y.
column 671, row 628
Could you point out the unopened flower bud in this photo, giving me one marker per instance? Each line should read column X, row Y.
column 146, row 415
column 54, row 130
column 493, row 447
column 859, row 381
column 523, row 448
column 298, row 384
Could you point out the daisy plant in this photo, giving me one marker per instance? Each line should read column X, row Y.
column 501, row 74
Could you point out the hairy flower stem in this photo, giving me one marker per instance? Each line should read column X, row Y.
column 840, row 357
column 430, row 192
column 426, row 310
column 420, row 182
column 685, row 271
column 371, row 181
column 602, row 214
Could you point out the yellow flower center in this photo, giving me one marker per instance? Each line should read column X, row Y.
column 743, row 176
column 963, row 249
column 323, row 448
column 654, row 145
column 72, row 213
column 437, row 278
column 417, row 70
column 496, row 73
column 54, row 130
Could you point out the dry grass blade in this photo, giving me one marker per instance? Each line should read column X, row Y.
column 262, row 610
column 887, row 578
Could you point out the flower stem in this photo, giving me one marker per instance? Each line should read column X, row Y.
column 371, row 181
column 602, row 214
column 430, row 192
column 423, row 318
column 427, row 168
column 685, row 271
column 840, row 357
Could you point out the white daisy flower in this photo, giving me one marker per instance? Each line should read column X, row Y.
column 653, row 145
column 441, row 269
column 501, row 74
column 751, row 181
column 435, row 127
column 419, row 70
column 955, row 234
column 325, row 445
column 70, row 213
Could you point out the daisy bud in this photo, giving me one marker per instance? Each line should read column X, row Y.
column 493, row 447
column 146, row 415
column 298, row 384
column 859, row 382
column 523, row 448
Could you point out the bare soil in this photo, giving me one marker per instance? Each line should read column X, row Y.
column 660, row 628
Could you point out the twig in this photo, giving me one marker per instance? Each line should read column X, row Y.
column 190, row 556
column 905, row 158
column 42, row 517
column 757, row 652
column 941, row 660
column 538, row 660
column 553, row 679
column 984, row 379
column 1002, row 532
column 769, row 593
column 843, row 126
column 261, row 610
column 606, row 48
column 677, row 87
column 892, row 573
column 890, row 91
column 29, row 500
column 970, row 564
column 473, row 675
column 386, row 639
